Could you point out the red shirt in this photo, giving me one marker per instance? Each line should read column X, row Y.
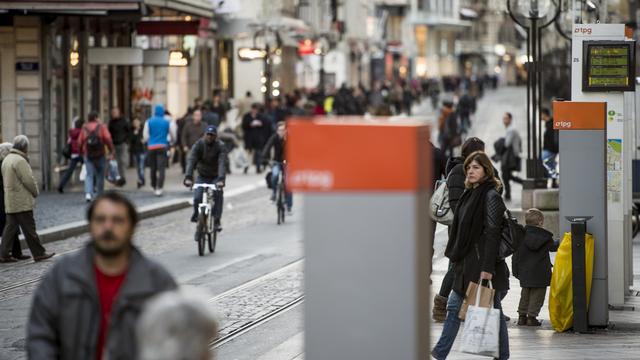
column 108, row 287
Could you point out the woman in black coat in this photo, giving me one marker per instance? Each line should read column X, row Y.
column 476, row 233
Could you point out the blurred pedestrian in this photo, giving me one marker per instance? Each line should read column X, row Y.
column 219, row 107
column 480, row 211
column 137, row 147
column 20, row 192
column 93, row 140
column 257, row 131
column 16, row 250
column 177, row 325
column 510, row 160
column 278, row 143
column 466, row 107
column 87, row 306
column 448, row 131
column 193, row 131
column 120, row 131
column 244, row 105
column 158, row 134
column 76, row 158
column 550, row 147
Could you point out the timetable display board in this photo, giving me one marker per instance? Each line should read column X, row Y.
column 608, row 66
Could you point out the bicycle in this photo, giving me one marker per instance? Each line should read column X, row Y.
column 205, row 224
column 281, row 194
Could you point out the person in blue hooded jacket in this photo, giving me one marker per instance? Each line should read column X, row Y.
column 159, row 133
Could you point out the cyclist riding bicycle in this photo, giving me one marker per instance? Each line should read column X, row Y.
column 208, row 155
column 278, row 142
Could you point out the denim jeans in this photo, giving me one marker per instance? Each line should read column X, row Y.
column 276, row 170
column 218, row 197
column 139, row 161
column 69, row 173
column 95, row 175
column 452, row 324
column 550, row 163
column 158, row 165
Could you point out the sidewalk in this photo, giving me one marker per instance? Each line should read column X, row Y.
column 54, row 209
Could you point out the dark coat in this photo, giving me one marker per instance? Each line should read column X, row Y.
column 531, row 263
column 65, row 315
column 278, row 144
column 439, row 163
column 550, row 141
column 209, row 159
column 484, row 251
column 136, row 142
column 255, row 138
column 120, row 130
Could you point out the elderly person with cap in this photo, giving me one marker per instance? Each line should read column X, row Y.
column 176, row 325
column 16, row 250
column 208, row 155
column 20, row 191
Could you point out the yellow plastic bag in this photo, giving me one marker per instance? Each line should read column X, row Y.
column 561, row 294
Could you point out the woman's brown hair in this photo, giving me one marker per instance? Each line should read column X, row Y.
column 481, row 158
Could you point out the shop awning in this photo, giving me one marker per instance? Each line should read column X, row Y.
column 72, row 5
column 160, row 27
column 203, row 8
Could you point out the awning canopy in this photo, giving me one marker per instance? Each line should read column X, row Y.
column 203, row 8
column 71, row 5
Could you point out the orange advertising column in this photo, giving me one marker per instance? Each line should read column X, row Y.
column 366, row 188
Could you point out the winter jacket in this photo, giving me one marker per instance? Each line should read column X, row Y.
column 255, row 138
column 531, row 263
column 159, row 132
column 208, row 159
column 136, row 142
column 192, row 132
column 483, row 255
column 550, row 141
column 20, row 187
column 65, row 314
column 104, row 134
column 278, row 144
column 120, row 130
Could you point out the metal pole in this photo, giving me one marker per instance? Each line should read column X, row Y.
column 578, row 231
column 537, row 120
column 534, row 96
column 267, row 73
column 322, row 74
column 529, row 64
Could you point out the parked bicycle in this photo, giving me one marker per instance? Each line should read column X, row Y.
column 205, row 227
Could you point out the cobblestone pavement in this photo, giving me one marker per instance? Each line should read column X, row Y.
column 250, row 246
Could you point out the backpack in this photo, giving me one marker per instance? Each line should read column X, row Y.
column 440, row 209
column 512, row 236
column 95, row 145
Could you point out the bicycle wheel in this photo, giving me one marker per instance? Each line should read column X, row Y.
column 201, row 232
column 212, row 238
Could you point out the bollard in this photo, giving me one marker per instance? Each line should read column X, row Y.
column 578, row 271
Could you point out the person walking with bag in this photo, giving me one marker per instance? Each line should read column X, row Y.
column 93, row 139
column 75, row 158
column 473, row 248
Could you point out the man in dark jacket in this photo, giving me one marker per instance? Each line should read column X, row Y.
column 208, row 155
column 277, row 142
column 257, row 131
column 550, row 146
column 120, row 130
column 88, row 304
column 532, row 266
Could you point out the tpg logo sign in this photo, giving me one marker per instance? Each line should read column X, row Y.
column 583, row 30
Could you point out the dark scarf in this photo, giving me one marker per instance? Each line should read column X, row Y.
column 468, row 221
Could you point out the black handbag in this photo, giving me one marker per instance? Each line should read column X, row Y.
column 512, row 236
column 267, row 178
column 66, row 151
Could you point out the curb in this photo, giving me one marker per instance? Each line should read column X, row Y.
column 61, row 232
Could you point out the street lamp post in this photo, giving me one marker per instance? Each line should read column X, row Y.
column 536, row 11
column 265, row 54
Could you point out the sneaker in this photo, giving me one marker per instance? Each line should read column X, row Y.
column 140, row 184
column 9, row 259
column 22, row 257
column 87, row 197
column 532, row 321
column 60, row 190
column 522, row 320
column 158, row 192
column 216, row 225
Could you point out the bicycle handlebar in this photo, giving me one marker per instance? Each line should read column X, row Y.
column 205, row 186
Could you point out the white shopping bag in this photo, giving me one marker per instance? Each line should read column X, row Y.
column 83, row 172
column 481, row 334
